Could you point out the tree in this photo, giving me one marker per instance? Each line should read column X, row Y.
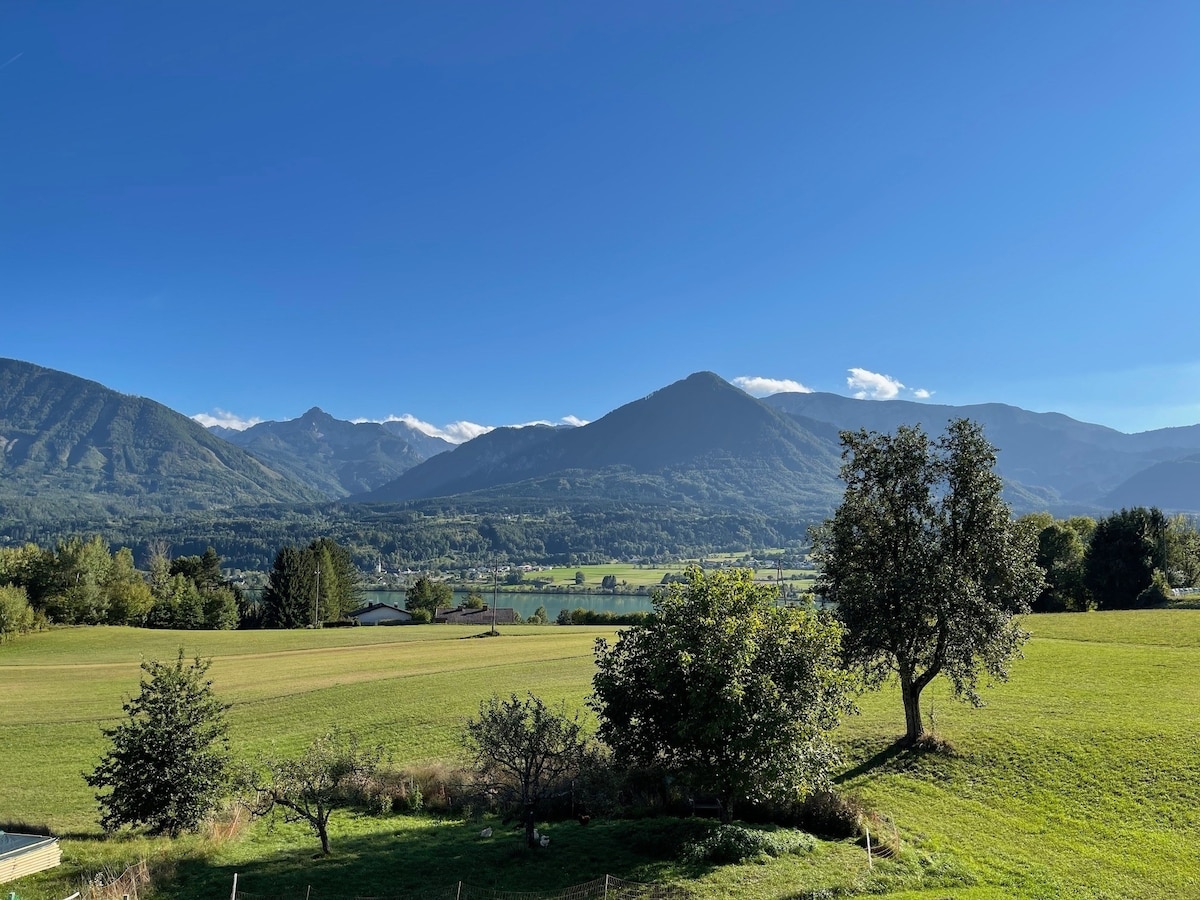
column 16, row 615
column 428, row 595
column 168, row 765
column 579, row 577
column 291, row 591
column 1061, row 553
column 129, row 597
column 326, row 777
column 523, row 748
column 1183, row 552
column 724, row 690
column 1126, row 549
column 926, row 567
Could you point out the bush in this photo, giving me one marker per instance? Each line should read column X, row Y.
column 1157, row 594
column 16, row 615
column 735, row 843
column 832, row 815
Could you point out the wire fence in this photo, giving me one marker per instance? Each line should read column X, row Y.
column 606, row 888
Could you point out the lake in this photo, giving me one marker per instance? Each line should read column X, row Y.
column 526, row 604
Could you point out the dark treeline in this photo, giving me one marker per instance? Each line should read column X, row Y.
column 431, row 535
column 1131, row 559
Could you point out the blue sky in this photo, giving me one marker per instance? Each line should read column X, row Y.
column 506, row 212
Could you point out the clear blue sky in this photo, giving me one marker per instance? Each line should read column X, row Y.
column 503, row 212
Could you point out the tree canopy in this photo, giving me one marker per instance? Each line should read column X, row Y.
column 310, row 585
column 724, row 690
column 428, row 595
column 924, row 562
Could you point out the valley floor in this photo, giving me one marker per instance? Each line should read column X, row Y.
column 1079, row 779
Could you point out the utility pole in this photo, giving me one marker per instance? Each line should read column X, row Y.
column 317, row 597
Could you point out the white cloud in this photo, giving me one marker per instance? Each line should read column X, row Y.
column 462, row 431
column 757, row 386
column 872, row 386
column 455, row 432
column 922, row 394
column 225, row 420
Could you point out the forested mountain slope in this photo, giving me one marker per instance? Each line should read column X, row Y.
column 72, row 443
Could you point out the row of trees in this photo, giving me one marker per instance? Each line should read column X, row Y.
column 1128, row 560
column 81, row 582
column 308, row 586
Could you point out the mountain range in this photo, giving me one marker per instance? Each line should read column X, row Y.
column 700, row 443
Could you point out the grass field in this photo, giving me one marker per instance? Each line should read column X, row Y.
column 1080, row 779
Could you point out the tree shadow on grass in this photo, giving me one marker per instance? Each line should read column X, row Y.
column 893, row 757
column 401, row 855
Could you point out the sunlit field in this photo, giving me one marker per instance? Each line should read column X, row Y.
column 1079, row 779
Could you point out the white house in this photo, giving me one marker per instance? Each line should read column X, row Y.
column 378, row 613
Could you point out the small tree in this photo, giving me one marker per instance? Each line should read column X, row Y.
column 329, row 775
column 724, row 690
column 924, row 562
column 522, row 747
column 168, row 765
column 16, row 615
column 428, row 594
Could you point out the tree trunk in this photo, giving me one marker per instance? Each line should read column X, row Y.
column 530, row 820
column 726, row 808
column 910, row 693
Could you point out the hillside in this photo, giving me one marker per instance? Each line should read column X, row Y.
column 1173, row 485
column 1047, row 459
column 69, row 444
column 332, row 456
column 699, row 442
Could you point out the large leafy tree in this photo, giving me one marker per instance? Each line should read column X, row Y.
column 1126, row 549
column 1061, row 553
column 524, row 748
column 168, row 765
column 724, row 690
column 428, row 594
column 926, row 567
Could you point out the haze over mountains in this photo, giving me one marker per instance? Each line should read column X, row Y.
column 699, row 443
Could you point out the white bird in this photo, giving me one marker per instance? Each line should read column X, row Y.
column 545, row 841
column 536, row 836
column 487, row 832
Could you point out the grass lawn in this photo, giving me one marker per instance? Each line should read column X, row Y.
column 1081, row 778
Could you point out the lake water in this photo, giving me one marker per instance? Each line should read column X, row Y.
column 526, row 604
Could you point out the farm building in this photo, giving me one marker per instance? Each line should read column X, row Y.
column 377, row 613
column 462, row 615
column 24, row 854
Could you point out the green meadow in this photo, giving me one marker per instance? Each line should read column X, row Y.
column 1081, row 777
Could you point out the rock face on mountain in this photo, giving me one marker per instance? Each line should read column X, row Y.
column 699, row 441
column 425, row 445
column 66, row 441
column 335, row 457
